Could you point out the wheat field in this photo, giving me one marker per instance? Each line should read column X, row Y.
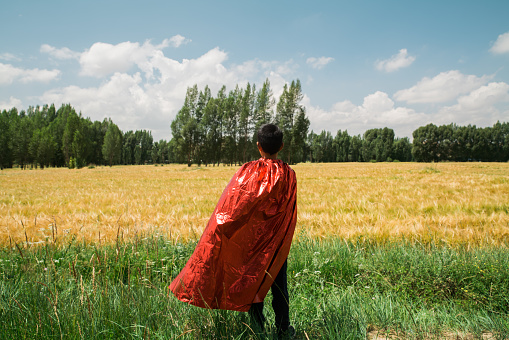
column 450, row 203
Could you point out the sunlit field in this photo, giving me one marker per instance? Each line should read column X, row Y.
column 382, row 251
column 448, row 203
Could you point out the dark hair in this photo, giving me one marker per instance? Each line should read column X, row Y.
column 270, row 138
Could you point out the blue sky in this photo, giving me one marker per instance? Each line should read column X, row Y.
column 362, row 64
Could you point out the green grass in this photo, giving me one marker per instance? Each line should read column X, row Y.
column 338, row 290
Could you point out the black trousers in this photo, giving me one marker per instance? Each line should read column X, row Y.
column 280, row 303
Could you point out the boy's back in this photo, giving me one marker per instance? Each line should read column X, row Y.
column 246, row 241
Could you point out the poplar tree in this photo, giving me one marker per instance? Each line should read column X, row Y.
column 21, row 136
column 201, row 149
column 184, row 127
column 425, row 143
column 5, row 139
column 291, row 119
column 341, row 146
column 230, row 125
column 263, row 112
column 402, row 150
column 246, row 122
column 112, row 147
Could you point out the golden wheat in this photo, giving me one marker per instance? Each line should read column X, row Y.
column 452, row 203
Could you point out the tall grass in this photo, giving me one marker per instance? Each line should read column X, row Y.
column 456, row 203
column 338, row 289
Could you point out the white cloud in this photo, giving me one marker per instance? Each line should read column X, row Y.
column 287, row 67
column 9, row 57
column 482, row 106
column 13, row 102
column 104, row 59
column 59, row 53
column 141, row 88
column 394, row 63
column 256, row 67
column 376, row 111
column 478, row 107
column 175, row 41
column 151, row 96
column 121, row 98
column 487, row 95
column 501, row 45
column 319, row 63
column 444, row 87
column 377, row 102
column 10, row 74
column 178, row 40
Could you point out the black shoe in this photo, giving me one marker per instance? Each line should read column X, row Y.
column 289, row 333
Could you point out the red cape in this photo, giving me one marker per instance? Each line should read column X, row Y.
column 246, row 241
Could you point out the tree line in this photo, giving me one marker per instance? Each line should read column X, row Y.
column 209, row 130
column 44, row 136
column 376, row 145
column 430, row 143
column 461, row 143
column 213, row 130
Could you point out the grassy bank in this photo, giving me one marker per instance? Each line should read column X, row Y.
column 338, row 289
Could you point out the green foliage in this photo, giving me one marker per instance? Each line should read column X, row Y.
column 338, row 290
column 322, row 147
column 341, row 320
column 112, row 147
column 6, row 150
column 21, row 134
column 430, row 144
column 377, row 144
column 218, row 130
column 184, row 126
column 47, row 137
column 223, row 129
column 402, row 150
column 341, row 146
column 291, row 119
column 461, row 143
column 44, row 136
column 72, row 163
column 263, row 110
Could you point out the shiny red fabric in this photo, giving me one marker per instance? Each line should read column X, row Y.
column 246, row 241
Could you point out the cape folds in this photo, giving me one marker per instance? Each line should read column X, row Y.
column 246, row 241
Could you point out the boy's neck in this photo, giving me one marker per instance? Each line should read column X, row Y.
column 267, row 156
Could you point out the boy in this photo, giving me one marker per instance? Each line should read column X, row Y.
column 243, row 250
